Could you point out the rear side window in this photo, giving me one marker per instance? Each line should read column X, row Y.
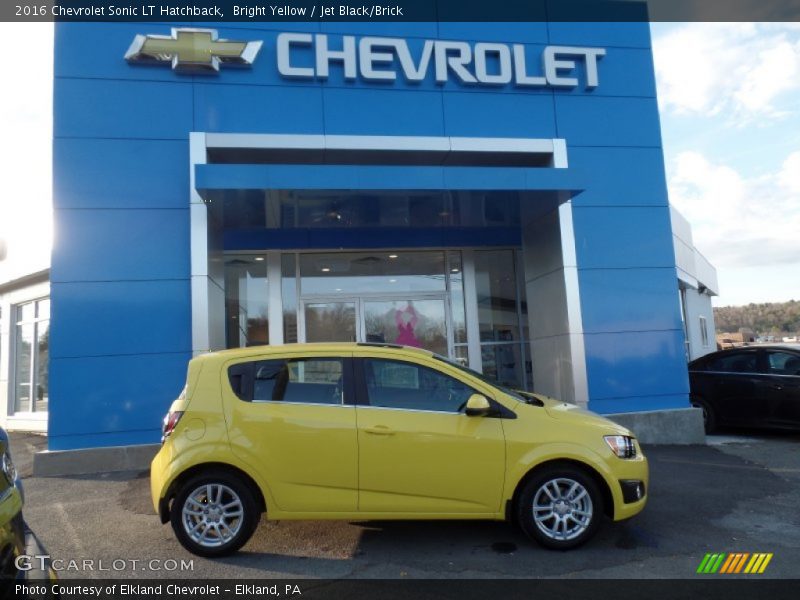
column 736, row 362
column 305, row 380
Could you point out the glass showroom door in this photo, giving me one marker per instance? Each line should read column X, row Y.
column 334, row 320
column 418, row 322
column 421, row 322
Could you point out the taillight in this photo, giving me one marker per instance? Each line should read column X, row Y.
column 170, row 423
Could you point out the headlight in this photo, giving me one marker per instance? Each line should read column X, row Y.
column 621, row 445
column 9, row 470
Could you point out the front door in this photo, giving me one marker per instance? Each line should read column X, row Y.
column 782, row 387
column 418, row 451
column 738, row 388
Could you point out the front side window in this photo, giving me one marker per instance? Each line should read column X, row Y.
column 783, row 363
column 306, row 381
column 402, row 385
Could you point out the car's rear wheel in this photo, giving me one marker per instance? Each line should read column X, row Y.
column 709, row 418
column 560, row 507
column 214, row 514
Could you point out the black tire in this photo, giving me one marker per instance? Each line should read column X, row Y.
column 207, row 515
column 709, row 418
column 548, row 532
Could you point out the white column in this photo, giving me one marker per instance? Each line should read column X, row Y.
column 274, row 298
column 471, row 310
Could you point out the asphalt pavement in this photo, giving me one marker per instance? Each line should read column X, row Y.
column 738, row 493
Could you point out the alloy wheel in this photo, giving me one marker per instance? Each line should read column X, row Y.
column 212, row 515
column 562, row 509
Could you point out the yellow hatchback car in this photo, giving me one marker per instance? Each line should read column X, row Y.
column 368, row 431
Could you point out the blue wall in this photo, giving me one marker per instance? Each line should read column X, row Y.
column 121, row 325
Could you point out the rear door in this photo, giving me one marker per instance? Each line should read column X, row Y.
column 292, row 419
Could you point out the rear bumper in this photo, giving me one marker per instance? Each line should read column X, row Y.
column 158, row 473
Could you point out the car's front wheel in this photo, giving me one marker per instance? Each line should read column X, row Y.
column 560, row 507
column 214, row 514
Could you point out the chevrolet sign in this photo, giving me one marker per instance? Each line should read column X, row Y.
column 191, row 51
column 373, row 58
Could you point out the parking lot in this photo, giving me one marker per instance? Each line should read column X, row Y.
column 739, row 493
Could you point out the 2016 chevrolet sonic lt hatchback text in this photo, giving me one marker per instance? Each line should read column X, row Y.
column 363, row 431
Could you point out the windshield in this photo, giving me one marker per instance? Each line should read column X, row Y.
column 482, row 377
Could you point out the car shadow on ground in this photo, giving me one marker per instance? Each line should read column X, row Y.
column 693, row 490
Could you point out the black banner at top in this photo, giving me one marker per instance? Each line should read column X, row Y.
column 277, row 11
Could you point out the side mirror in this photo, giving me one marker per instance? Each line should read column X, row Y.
column 477, row 406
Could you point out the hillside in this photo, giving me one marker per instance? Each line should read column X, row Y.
column 769, row 317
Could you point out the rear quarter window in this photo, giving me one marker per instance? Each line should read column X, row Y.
column 302, row 380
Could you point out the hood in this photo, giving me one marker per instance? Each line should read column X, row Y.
column 560, row 410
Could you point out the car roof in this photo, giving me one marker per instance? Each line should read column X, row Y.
column 749, row 347
column 315, row 347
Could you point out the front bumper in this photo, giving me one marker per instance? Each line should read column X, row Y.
column 630, row 476
column 633, row 490
column 22, row 556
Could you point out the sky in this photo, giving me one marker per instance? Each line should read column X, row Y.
column 729, row 100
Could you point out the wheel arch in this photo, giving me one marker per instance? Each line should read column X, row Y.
column 164, row 504
column 711, row 413
column 602, row 484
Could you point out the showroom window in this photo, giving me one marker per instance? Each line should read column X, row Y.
column 468, row 305
column 345, row 209
column 246, row 322
column 501, row 318
column 704, row 331
column 31, row 356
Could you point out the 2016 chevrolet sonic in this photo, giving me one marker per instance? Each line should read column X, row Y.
column 366, row 431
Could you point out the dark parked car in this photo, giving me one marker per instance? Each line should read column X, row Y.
column 753, row 386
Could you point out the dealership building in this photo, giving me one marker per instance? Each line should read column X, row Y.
column 498, row 186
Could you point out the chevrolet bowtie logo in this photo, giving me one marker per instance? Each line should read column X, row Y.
column 191, row 51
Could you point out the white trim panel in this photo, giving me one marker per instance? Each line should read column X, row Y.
column 573, row 297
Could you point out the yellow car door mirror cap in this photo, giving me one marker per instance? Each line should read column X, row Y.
column 477, row 406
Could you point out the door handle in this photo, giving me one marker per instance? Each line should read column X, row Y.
column 776, row 386
column 379, row 430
